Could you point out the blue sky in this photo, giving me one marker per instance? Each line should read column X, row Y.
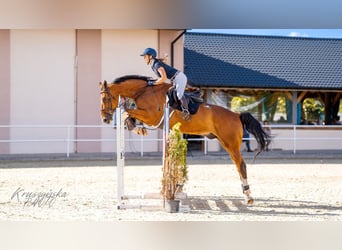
column 317, row 33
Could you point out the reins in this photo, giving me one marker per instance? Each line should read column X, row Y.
column 155, row 99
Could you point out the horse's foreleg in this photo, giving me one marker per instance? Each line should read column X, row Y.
column 131, row 125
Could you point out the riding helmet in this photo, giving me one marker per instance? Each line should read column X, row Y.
column 150, row 51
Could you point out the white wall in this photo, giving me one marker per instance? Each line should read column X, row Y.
column 42, row 86
column 121, row 51
column 308, row 138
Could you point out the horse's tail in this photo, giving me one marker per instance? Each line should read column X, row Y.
column 254, row 127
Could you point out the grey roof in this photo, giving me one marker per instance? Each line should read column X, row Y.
column 263, row 62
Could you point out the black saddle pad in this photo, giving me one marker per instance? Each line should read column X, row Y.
column 193, row 101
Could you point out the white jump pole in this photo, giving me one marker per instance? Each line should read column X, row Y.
column 166, row 128
column 120, row 153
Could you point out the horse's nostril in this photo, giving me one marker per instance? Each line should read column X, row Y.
column 105, row 120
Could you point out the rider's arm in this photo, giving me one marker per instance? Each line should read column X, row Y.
column 163, row 76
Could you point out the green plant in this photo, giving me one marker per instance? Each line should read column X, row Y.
column 312, row 109
column 175, row 171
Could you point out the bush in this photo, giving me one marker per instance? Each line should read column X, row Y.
column 175, row 171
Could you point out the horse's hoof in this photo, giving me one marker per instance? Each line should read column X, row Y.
column 249, row 201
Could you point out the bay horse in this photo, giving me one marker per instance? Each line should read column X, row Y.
column 210, row 120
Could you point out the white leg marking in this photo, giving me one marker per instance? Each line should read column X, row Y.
column 244, row 182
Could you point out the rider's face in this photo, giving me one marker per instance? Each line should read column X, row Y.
column 147, row 59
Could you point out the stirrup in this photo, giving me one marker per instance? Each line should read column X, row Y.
column 186, row 115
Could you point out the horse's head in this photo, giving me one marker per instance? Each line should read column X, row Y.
column 108, row 103
column 146, row 98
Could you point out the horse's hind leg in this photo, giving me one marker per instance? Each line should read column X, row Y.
column 242, row 170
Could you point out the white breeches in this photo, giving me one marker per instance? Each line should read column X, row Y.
column 180, row 83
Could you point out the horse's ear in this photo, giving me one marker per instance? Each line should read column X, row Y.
column 105, row 84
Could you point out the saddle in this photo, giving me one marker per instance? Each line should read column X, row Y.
column 193, row 98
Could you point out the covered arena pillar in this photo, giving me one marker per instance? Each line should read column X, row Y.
column 88, row 58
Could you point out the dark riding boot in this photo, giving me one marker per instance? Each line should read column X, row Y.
column 185, row 109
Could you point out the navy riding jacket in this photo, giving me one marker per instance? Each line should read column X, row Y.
column 170, row 71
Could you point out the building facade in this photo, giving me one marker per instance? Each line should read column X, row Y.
column 50, row 84
column 50, row 97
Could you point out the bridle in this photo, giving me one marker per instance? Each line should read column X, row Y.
column 107, row 101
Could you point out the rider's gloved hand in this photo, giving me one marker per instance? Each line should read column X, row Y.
column 151, row 82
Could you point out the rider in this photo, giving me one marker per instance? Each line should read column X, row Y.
column 164, row 72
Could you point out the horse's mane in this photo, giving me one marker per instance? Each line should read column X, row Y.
column 130, row 77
